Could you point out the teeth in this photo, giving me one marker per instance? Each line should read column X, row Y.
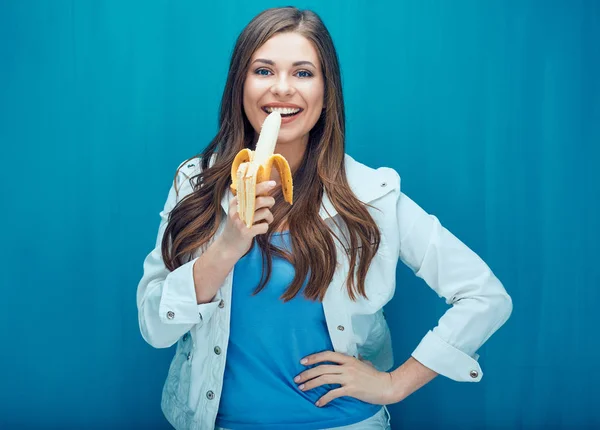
column 284, row 111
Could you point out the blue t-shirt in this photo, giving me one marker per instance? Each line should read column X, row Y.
column 268, row 339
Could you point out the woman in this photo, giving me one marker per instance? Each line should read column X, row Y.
column 295, row 302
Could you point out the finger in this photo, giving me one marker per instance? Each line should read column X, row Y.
column 233, row 206
column 263, row 188
column 318, row 371
column 322, row 380
column 332, row 394
column 263, row 215
column 238, row 224
column 334, row 357
column 260, row 228
column 235, row 217
column 264, row 202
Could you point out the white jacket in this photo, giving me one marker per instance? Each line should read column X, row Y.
column 169, row 313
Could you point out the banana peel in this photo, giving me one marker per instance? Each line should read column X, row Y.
column 252, row 167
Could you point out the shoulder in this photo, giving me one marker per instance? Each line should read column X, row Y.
column 189, row 167
column 369, row 181
column 186, row 170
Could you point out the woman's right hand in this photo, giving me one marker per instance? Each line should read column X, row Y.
column 237, row 237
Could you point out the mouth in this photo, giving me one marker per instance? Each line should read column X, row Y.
column 285, row 112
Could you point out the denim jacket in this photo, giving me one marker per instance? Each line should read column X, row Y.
column 169, row 314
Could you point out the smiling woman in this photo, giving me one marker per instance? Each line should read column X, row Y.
column 283, row 77
column 280, row 324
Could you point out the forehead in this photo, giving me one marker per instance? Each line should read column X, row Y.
column 287, row 48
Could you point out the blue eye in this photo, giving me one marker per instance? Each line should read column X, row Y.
column 259, row 72
column 307, row 74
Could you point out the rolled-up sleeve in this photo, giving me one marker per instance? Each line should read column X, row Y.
column 166, row 300
column 480, row 304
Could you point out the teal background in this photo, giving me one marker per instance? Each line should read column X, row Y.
column 490, row 111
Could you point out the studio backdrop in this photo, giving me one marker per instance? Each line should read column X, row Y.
column 488, row 110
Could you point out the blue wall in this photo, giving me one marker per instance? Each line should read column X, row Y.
column 490, row 111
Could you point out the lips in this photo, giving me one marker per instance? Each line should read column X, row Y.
column 281, row 105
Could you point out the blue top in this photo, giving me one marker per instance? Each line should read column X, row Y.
column 268, row 339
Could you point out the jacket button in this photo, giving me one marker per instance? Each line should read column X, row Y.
column 221, row 304
column 170, row 315
column 474, row 374
column 189, row 356
column 210, row 395
column 340, row 328
column 217, row 350
column 185, row 337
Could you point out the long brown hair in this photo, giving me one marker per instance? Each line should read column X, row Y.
column 196, row 218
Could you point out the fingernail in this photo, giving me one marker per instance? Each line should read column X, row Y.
column 296, row 379
column 304, row 361
column 301, row 387
column 272, row 183
column 318, row 403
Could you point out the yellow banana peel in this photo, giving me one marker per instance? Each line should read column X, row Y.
column 252, row 167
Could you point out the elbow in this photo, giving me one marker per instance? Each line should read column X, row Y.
column 494, row 301
column 154, row 339
column 504, row 307
column 163, row 345
column 500, row 302
column 157, row 342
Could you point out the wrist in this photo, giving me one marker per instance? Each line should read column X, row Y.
column 225, row 252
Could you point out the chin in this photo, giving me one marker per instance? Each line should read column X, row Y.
column 288, row 137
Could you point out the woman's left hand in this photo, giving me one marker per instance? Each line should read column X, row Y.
column 358, row 379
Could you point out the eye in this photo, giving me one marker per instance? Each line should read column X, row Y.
column 304, row 74
column 262, row 72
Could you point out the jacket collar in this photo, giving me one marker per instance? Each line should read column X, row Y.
column 366, row 183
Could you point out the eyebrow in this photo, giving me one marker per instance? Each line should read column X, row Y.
column 272, row 63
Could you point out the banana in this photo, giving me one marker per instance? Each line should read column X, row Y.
column 252, row 167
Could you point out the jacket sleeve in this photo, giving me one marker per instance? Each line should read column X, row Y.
column 166, row 300
column 480, row 304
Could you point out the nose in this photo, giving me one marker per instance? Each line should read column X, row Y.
column 282, row 87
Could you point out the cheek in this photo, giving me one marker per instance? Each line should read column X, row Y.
column 316, row 95
column 249, row 91
column 251, row 98
column 315, row 100
column 252, row 92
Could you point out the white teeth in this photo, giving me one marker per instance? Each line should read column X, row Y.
column 284, row 111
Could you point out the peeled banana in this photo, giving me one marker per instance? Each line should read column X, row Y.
column 252, row 167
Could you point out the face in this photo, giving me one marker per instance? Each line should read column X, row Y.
column 285, row 75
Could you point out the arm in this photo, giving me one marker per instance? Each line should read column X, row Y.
column 167, row 302
column 171, row 303
column 407, row 379
column 211, row 269
column 480, row 304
